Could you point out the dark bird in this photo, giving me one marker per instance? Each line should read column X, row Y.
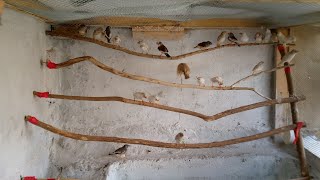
column 163, row 49
column 107, row 33
column 232, row 38
column 204, row 44
column 121, row 152
column 184, row 69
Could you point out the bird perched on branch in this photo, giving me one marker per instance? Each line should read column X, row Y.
column 163, row 49
column 144, row 47
column 281, row 38
column 117, row 40
column 217, row 80
column 201, row 81
column 155, row 98
column 121, row 152
column 139, row 96
column 97, row 33
column 258, row 68
column 204, row 44
column 179, row 138
column 288, row 57
column 274, row 38
column 107, row 33
column 258, row 37
column 244, row 37
column 267, row 36
column 222, row 38
column 184, row 69
column 291, row 39
column 83, row 29
column 233, row 39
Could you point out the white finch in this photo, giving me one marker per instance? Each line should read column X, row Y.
column 155, row 98
column 201, row 81
column 116, row 40
column 179, row 138
column 121, row 152
column 244, row 37
column 258, row 68
column 288, row 57
column 222, row 38
column 143, row 46
column 274, row 38
column 139, row 96
column 281, row 38
column 97, row 33
column 218, row 80
column 258, row 37
column 267, row 36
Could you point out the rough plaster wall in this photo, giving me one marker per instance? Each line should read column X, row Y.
column 24, row 149
column 88, row 159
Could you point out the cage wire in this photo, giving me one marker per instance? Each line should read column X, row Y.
column 272, row 13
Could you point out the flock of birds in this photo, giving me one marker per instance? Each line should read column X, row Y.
column 184, row 70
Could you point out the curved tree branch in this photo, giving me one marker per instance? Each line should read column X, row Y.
column 178, row 110
column 119, row 48
column 83, row 137
column 142, row 78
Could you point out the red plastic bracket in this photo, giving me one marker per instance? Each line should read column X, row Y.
column 297, row 132
column 33, row 120
column 51, row 65
column 29, row 178
column 287, row 70
column 42, row 94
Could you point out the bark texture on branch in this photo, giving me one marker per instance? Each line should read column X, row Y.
column 178, row 110
column 83, row 137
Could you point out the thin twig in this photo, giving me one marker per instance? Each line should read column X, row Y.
column 83, row 137
column 123, row 49
column 178, row 110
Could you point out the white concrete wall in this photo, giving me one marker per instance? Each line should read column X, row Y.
column 24, row 149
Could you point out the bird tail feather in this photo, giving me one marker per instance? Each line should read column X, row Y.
column 167, row 54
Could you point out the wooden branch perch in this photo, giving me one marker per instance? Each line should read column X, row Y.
column 178, row 110
column 266, row 71
column 142, row 78
column 119, row 48
column 83, row 137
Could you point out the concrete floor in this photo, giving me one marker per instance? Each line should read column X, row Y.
column 28, row 150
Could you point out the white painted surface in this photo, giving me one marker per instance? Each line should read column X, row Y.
column 24, row 149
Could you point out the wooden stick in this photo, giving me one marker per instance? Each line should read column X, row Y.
column 266, row 71
column 142, row 78
column 178, row 110
column 83, row 137
column 295, row 119
column 119, row 48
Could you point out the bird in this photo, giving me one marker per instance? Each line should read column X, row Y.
column 217, row 79
column 117, row 40
column 83, row 29
column 244, row 37
column 291, row 39
column 281, row 38
column 97, row 33
column 288, row 57
column 121, row 152
column 201, row 81
column 204, row 44
column 184, row 69
column 274, row 38
column 232, row 38
column 258, row 67
column 179, row 138
column 267, row 36
column 258, row 37
column 155, row 98
column 221, row 38
column 163, row 49
column 107, row 33
column 139, row 96
column 144, row 47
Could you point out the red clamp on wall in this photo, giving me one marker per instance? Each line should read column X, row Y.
column 32, row 120
column 287, row 70
column 29, row 178
column 51, row 65
column 297, row 132
column 282, row 50
column 42, row 94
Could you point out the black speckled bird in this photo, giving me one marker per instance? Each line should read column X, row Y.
column 121, row 152
column 232, row 38
column 204, row 44
column 163, row 49
column 108, row 33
